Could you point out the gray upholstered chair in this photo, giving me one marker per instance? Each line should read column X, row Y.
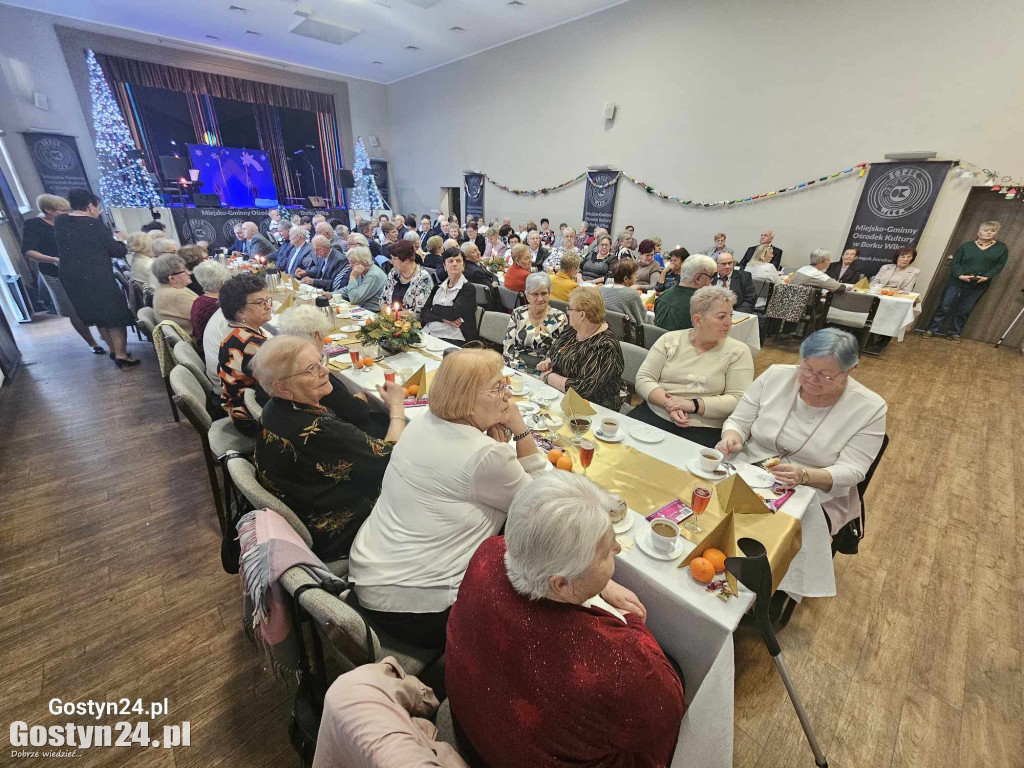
column 251, row 404
column 620, row 324
column 562, row 305
column 650, row 334
column 217, row 437
column 510, row 299
column 493, row 327
column 633, row 357
column 148, row 320
column 185, row 354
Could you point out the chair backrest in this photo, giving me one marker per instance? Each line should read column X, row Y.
column 509, row 299
column 650, row 334
column 185, row 354
column 854, row 301
column 479, row 315
column 764, row 289
column 191, row 396
column 633, row 357
column 789, row 302
column 562, row 305
column 251, row 403
column 243, row 476
column 148, row 320
column 483, row 295
column 620, row 324
column 862, row 486
column 493, row 327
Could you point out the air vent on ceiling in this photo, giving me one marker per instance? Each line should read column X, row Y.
column 238, row 8
column 253, row 33
column 411, row 48
column 456, row 29
column 425, row 3
column 324, row 31
column 381, row 63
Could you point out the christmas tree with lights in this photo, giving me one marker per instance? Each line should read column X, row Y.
column 365, row 195
column 124, row 180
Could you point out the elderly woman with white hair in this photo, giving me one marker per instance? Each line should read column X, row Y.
column 539, row 621
column 365, row 279
column 533, row 327
column 173, row 299
column 672, row 309
column 211, row 275
column 824, row 428
column 326, row 469
column 693, row 379
column 814, row 274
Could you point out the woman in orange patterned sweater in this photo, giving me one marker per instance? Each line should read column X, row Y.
column 246, row 305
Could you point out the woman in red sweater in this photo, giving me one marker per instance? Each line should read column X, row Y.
column 515, row 278
column 548, row 661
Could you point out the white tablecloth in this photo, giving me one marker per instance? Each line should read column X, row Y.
column 895, row 316
column 693, row 626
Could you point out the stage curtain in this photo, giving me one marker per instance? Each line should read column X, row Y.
column 121, row 70
column 268, row 124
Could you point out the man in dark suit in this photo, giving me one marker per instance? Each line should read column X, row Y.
column 239, row 243
column 473, row 272
column 329, row 263
column 766, row 242
column 739, row 282
column 400, row 225
column 301, row 256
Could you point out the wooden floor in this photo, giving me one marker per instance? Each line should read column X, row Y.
column 111, row 586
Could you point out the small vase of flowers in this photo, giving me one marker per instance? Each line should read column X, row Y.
column 392, row 330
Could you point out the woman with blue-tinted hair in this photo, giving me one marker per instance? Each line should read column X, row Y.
column 823, row 426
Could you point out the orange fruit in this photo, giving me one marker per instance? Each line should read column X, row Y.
column 716, row 557
column 366, row 362
column 702, row 570
column 406, row 391
column 414, row 389
column 554, row 455
column 564, row 463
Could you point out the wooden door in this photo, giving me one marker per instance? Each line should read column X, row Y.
column 1004, row 299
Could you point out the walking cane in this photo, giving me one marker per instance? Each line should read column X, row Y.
column 755, row 573
column 1010, row 328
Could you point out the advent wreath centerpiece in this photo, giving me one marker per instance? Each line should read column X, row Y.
column 392, row 330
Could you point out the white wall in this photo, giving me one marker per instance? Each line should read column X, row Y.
column 723, row 99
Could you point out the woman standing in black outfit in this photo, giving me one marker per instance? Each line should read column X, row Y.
column 86, row 248
column 39, row 243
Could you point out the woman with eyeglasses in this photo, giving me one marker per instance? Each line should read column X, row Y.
column 246, row 306
column 327, row 470
column 448, row 487
column 532, row 328
column 173, row 299
column 812, row 424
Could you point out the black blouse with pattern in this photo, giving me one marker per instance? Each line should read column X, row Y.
column 593, row 367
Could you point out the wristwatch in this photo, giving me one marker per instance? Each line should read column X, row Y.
column 805, row 476
column 696, row 405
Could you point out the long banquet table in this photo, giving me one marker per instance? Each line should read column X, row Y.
column 692, row 625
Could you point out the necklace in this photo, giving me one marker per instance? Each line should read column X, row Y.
column 783, row 454
column 984, row 246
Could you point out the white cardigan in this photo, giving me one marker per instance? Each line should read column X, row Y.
column 447, row 488
column 846, row 443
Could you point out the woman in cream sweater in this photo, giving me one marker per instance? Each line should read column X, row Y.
column 173, row 299
column 693, row 379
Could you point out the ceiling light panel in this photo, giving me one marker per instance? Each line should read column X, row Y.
column 324, row 31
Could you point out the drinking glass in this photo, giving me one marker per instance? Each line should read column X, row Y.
column 586, row 455
column 579, row 426
column 389, row 376
column 698, row 503
column 354, row 354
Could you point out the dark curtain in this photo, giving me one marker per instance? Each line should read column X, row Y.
column 121, row 70
column 269, row 126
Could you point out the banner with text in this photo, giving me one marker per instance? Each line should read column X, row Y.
column 57, row 160
column 599, row 198
column 217, row 225
column 475, row 194
column 894, row 207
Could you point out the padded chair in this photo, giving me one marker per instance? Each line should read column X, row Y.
column 804, row 305
column 218, row 438
column 493, row 327
column 764, row 289
column 633, row 357
column 252, row 404
column 855, row 312
column 148, row 320
column 510, row 299
column 125, row 284
column 650, row 334
column 620, row 324
column 483, row 295
column 562, row 305
column 164, row 339
column 185, row 354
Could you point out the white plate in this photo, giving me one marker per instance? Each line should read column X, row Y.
column 527, row 408
column 625, row 524
column 643, row 540
column 419, row 345
column 602, row 436
column 433, row 345
column 646, row 434
column 693, row 465
column 553, row 420
column 349, row 328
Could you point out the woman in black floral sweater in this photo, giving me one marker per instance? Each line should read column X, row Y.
column 328, row 471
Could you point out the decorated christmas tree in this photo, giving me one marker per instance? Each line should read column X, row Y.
column 124, row 181
column 365, row 195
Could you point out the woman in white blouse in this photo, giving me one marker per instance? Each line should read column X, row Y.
column 825, row 427
column 447, row 488
column 693, row 379
column 761, row 268
column 898, row 276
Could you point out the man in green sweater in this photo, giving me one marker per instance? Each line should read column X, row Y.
column 672, row 309
column 975, row 264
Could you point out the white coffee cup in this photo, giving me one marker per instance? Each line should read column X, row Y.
column 517, row 386
column 664, row 533
column 609, row 427
column 710, row 459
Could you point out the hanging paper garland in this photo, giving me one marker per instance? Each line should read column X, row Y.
column 997, row 182
column 533, row 192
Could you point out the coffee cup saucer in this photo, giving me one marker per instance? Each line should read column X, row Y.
column 606, row 438
column 643, row 540
column 625, row 523
column 693, row 466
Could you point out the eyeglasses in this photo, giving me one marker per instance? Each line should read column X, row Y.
column 267, row 302
column 183, row 272
column 501, row 391
column 817, row 376
column 314, row 370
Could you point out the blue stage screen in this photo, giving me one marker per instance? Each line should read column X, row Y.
column 241, row 178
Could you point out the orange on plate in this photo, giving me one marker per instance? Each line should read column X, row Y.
column 716, row 557
column 554, row 455
column 367, row 362
column 414, row 389
column 564, row 463
column 702, row 570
